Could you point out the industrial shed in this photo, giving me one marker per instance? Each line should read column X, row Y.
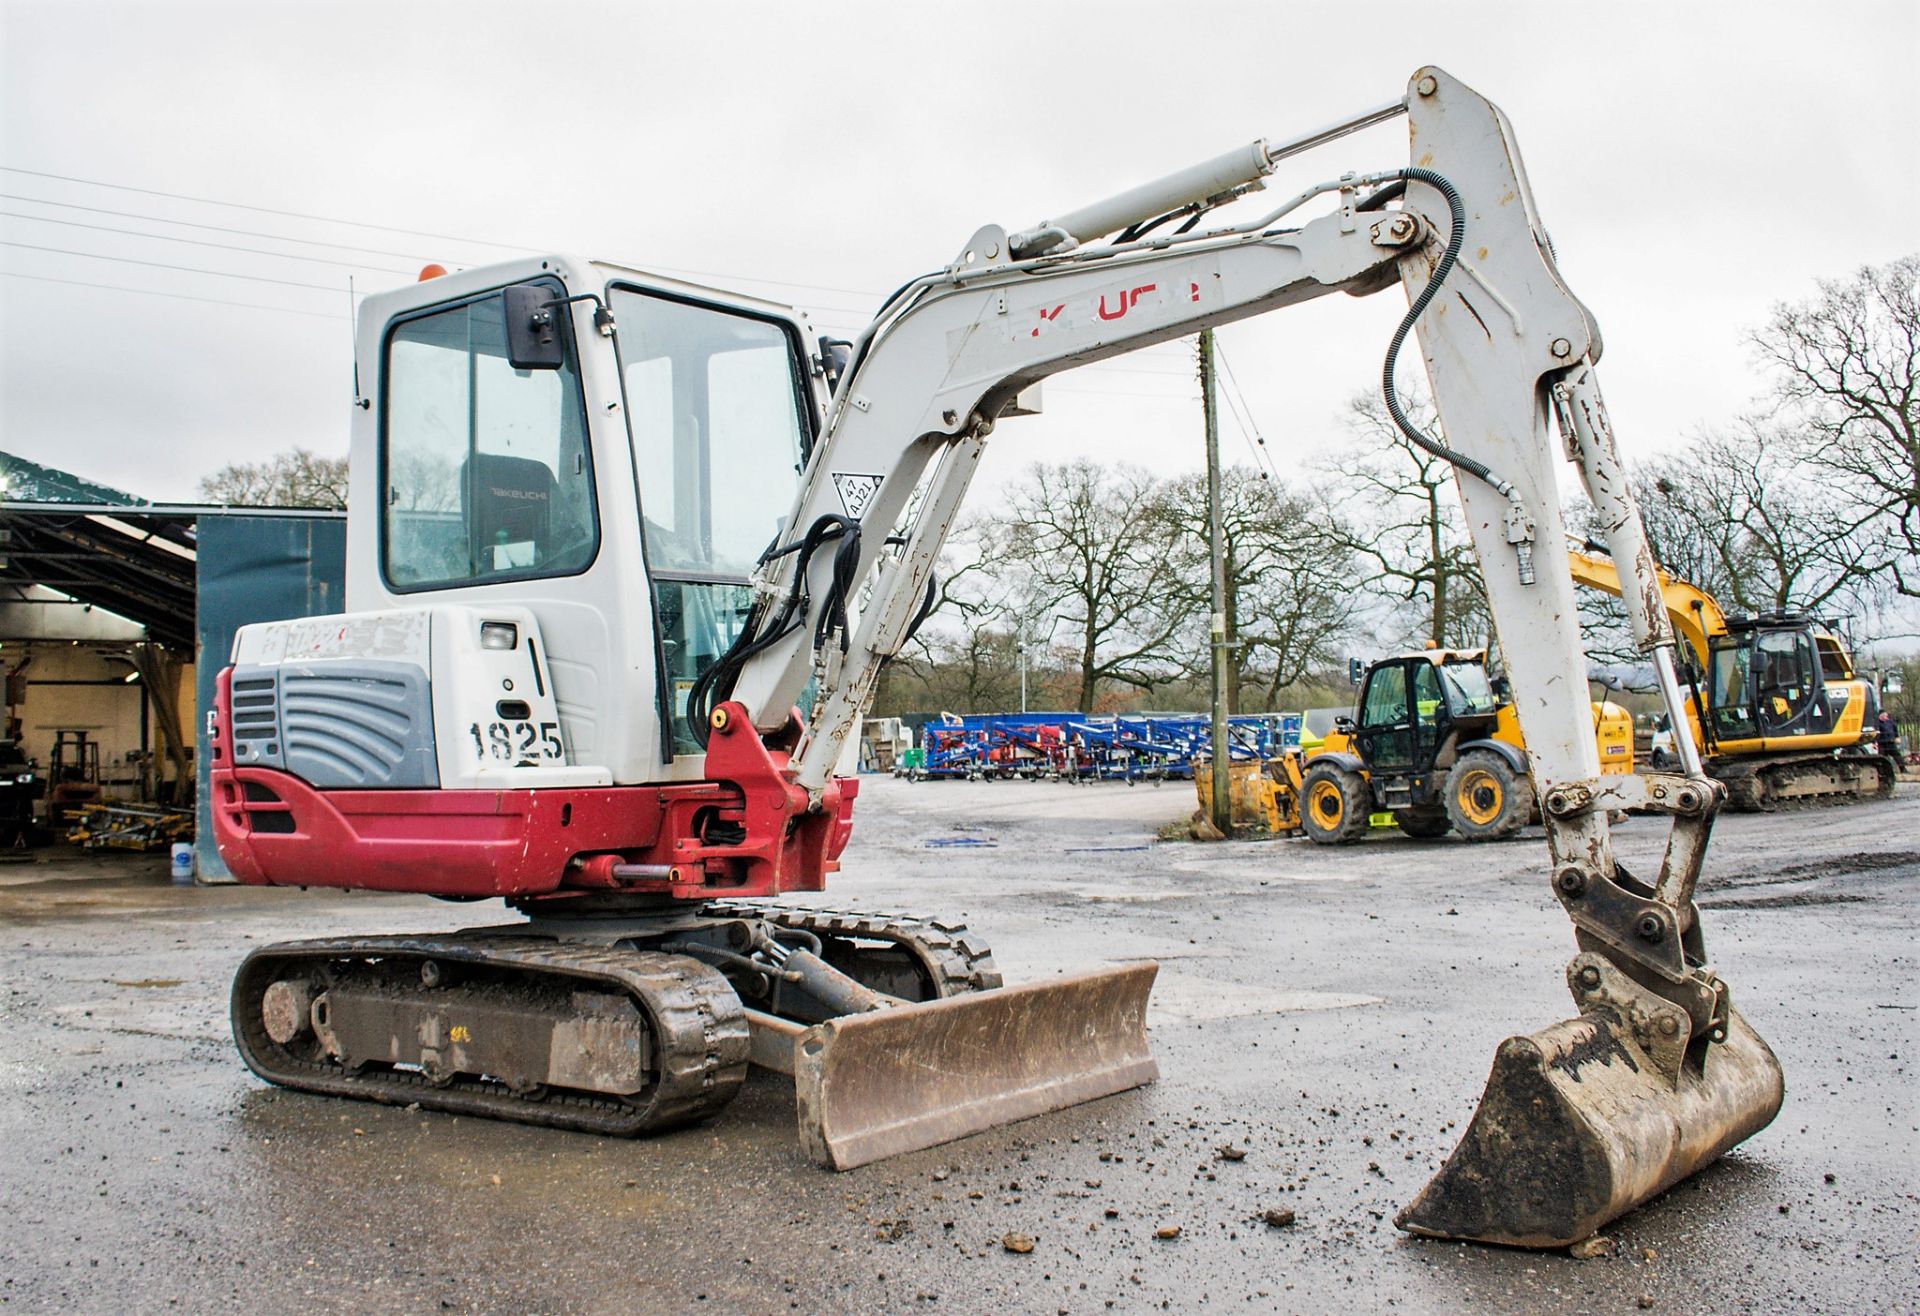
column 116, row 617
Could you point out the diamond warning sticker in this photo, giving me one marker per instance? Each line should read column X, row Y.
column 856, row 492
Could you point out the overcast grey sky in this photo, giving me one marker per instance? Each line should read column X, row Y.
column 1696, row 163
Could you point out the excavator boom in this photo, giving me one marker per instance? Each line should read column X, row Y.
column 1694, row 613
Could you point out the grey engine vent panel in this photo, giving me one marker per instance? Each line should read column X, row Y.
column 338, row 724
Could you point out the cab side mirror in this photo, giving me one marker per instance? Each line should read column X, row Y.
column 836, row 354
column 536, row 336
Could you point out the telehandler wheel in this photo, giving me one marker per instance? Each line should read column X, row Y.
column 1423, row 824
column 1486, row 799
column 1334, row 805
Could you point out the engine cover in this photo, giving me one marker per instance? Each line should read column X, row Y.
column 448, row 696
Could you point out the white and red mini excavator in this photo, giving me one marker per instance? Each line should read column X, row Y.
column 626, row 556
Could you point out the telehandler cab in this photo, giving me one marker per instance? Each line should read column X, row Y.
column 608, row 528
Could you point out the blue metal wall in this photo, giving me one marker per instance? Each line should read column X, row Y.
column 254, row 568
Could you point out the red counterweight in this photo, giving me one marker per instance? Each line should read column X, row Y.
column 745, row 832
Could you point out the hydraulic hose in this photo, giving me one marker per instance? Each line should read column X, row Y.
column 830, row 625
column 1449, row 258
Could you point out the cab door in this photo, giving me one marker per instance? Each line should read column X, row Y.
column 1789, row 695
column 1386, row 733
column 1428, row 700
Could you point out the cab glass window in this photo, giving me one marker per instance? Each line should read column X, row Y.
column 485, row 467
column 1783, row 663
column 1428, row 699
column 1727, row 692
column 719, row 440
column 1386, row 703
column 1833, row 660
column 1471, row 694
column 1430, row 708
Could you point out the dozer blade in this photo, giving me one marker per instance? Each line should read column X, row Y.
column 1589, row 1118
column 874, row 1085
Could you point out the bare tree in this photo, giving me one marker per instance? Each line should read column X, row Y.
column 1735, row 513
column 1095, row 552
column 1394, row 508
column 1289, row 584
column 971, row 670
column 295, row 478
column 1846, row 376
column 964, row 654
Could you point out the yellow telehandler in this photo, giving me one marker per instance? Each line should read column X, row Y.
column 1431, row 742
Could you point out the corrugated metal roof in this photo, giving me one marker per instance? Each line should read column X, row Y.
column 137, row 560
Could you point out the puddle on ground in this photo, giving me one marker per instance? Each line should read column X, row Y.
column 187, row 1021
column 1272, row 872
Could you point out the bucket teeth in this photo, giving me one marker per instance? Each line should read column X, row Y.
column 1586, row 1120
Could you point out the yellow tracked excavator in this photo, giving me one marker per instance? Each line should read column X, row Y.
column 626, row 555
column 1774, row 705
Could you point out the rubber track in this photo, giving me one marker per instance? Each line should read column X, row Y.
column 952, row 959
column 698, row 1027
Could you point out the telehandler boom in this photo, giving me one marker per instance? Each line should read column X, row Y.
column 603, row 541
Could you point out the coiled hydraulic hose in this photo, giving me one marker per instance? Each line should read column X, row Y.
column 1457, row 211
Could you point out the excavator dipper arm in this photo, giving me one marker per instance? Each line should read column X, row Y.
column 1658, row 1075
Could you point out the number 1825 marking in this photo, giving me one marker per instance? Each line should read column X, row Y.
column 519, row 743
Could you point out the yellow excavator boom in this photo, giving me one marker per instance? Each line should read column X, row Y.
column 1696, row 614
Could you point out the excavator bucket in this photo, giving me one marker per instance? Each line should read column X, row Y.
column 877, row 1084
column 1587, row 1119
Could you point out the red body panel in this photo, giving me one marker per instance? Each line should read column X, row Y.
column 747, row 832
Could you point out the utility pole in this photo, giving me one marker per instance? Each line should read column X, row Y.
column 1222, row 643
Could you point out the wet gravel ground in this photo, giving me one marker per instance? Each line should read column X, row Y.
column 1331, row 1014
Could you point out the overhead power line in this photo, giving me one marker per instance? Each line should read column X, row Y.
column 722, row 279
column 1125, row 393
column 162, row 265
column 178, row 296
column 1243, row 416
column 263, row 210
column 379, row 228
column 214, row 228
column 202, row 242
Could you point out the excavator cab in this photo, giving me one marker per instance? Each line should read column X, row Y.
column 1769, row 679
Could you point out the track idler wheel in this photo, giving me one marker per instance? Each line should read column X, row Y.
column 1585, row 1120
